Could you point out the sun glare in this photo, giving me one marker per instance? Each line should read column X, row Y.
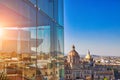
column 1, row 31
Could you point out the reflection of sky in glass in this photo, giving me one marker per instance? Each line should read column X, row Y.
column 60, row 39
column 24, row 17
column 25, row 37
column 33, row 1
column 47, row 7
column 44, row 33
column 33, row 32
column 60, row 12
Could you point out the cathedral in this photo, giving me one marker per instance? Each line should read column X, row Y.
column 78, row 68
column 74, row 66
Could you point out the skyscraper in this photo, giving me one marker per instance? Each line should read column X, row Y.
column 32, row 39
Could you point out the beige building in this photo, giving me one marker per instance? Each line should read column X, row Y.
column 77, row 68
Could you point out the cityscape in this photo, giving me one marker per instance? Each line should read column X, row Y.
column 91, row 67
column 59, row 40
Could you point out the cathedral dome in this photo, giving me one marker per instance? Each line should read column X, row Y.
column 73, row 53
column 88, row 56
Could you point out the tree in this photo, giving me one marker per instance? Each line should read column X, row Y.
column 105, row 78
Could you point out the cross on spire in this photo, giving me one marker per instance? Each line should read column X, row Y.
column 73, row 47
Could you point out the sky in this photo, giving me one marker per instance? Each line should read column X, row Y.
column 93, row 25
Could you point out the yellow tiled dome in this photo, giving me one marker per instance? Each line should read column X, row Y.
column 88, row 56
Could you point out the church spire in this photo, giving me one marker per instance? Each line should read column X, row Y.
column 88, row 51
column 73, row 47
column 88, row 56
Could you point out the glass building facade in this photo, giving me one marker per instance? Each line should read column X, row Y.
column 32, row 39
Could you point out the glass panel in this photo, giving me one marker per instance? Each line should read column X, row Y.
column 60, row 51
column 17, row 54
column 33, row 1
column 31, row 43
column 43, row 50
column 27, row 42
column 60, row 12
column 60, row 40
column 18, row 42
column 17, row 13
column 52, row 8
column 43, row 33
column 46, row 6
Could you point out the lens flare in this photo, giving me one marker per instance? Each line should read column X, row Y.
column 1, row 31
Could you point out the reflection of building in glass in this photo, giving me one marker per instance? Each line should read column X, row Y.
column 18, row 41
column 12, row 39
column 32, row 43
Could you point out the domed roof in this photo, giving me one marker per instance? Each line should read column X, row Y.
column 88, row 56
column 73, row 53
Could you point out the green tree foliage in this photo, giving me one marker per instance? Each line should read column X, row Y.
column 105, row 78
